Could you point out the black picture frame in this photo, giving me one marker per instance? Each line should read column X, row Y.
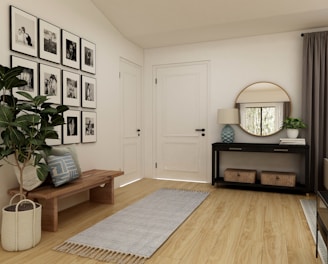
column 89, row 127
column 88, row 92
column 71, row 88
column 23, row 32
column 50, row 83
column 49, row 42
column 29, row 74
column 70, row 49
column 72, row 127
column 88, row 56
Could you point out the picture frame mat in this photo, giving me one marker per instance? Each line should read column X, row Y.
column 49, row 42
column 88, row 56
column 89, row 127
column 30, row 75
column 89, row 92
column 50, row 83
column 20, row 41
column 71, row 88
column 70, row 40
column 72, row 137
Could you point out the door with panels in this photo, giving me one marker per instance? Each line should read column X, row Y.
column 130, row 89
column 181, row 96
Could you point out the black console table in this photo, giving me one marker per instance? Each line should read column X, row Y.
column 303, row 150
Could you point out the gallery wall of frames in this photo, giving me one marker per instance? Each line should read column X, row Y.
column 60, row 65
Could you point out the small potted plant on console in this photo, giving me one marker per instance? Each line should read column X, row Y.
column 292, row 126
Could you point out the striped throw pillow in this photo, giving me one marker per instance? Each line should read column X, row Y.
column 62, row 169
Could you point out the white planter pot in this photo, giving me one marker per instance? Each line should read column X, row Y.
column 31, row 179
column 292, row 133
column 21, row 230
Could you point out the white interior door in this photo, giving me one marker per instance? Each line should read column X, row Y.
column 130, row 85
column 181, row 121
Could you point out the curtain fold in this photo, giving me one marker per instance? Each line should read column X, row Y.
column 315, row 101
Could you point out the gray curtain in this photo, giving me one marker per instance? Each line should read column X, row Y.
column 315, row 101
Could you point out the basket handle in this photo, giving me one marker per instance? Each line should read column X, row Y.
column 16, row 195
column 24, row 201
column 16, row 221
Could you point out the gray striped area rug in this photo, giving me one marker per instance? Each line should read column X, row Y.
column 133, row 234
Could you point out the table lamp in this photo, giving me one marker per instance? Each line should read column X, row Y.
column 228, row 116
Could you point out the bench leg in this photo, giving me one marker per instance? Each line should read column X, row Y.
column 103, row 194
column 49, row 220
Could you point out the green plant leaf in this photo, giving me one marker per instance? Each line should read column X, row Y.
column 62, row 108
column 52, row 134
column 39, row 100
column 26, row 95
column 5, row 152
column 42, row 171
column 29, row 119
column 6, row 115
column 14, row 83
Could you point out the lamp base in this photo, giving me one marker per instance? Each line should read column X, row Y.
column 227, row 134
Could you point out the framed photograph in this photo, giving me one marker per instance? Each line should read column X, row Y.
column 89, row 92
column 23, row 32
column 58, row 141
column 50, row 83
column 29, row 74
column 71, row 89
column 89, row 127
column 70, row 50
column 49, row 42
column 88, row 56
column 72, row 127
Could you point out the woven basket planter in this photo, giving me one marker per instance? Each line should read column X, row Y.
column 20, row 230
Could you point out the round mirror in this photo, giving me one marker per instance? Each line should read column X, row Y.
column 262, row 108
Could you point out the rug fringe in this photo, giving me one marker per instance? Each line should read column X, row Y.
column 99, row 254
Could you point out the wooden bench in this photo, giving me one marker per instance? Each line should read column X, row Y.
column 100, row 184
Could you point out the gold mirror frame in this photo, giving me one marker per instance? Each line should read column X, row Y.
column 262, row 108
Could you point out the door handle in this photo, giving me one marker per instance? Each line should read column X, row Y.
column 138, row 130
column 200, row 129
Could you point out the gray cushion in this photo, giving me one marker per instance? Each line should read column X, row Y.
column 62, row 150
column 62, row 169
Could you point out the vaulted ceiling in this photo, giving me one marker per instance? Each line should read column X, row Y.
column 157, row 23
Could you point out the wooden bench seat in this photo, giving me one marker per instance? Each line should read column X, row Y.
column 100, row 184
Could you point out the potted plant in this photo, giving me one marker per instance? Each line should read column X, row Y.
column 25, row 126
column 293, row 125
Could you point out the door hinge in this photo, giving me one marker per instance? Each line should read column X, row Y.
column 119, row 75
column 155, row 80
column 155, row 165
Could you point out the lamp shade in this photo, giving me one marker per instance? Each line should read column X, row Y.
column 228, row 116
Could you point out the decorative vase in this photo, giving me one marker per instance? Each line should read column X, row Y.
column 20, row 230
column 292, row 132
column 227, row 134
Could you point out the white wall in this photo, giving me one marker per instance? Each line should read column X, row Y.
column 83, row 19
column 234, row 64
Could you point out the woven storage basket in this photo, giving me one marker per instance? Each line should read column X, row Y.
column 278, row 178
column 20, row 230
column 240, row 175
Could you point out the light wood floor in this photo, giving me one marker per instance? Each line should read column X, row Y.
column 231, row 226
